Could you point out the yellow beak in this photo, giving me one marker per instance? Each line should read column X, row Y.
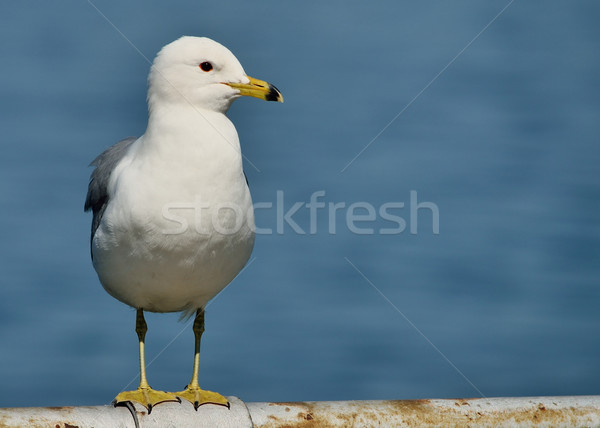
column 259, row 89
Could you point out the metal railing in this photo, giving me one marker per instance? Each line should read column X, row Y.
column 582, row 411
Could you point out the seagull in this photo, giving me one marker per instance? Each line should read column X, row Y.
column 172, row 221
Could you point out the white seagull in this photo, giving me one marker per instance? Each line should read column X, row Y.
column 172, row 214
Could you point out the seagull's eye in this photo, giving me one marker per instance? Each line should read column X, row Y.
column 206, row 66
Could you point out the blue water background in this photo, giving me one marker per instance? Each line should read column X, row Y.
column 504, row 301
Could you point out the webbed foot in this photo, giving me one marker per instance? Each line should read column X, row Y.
column 198, row 397
column 147, row 397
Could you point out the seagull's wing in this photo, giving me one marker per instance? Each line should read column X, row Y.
column 97, row 195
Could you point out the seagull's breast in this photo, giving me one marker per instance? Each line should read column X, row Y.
column 179, row 225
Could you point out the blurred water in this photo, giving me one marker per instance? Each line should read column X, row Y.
column 504, row 142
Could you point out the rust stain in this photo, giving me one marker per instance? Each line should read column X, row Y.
column 319, row 415
column 427, row 413
column 32, row 423
column 305, row 416
column 419, row 413
column 288, row 403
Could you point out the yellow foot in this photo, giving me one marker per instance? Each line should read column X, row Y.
column 147, row 397
column 198, row 397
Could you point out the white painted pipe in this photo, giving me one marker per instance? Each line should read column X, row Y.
column 583, row 411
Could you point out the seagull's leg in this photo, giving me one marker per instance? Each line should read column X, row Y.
column 193, row 393
column 144, row 395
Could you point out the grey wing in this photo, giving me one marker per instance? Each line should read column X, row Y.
column 97, row 195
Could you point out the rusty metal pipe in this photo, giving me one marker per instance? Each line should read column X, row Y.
column 583, row 411
column 479, row 412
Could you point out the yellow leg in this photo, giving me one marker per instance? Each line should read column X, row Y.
column 144, row 395
column 193, row 393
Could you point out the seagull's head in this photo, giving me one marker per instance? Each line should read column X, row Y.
column 203, row 73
